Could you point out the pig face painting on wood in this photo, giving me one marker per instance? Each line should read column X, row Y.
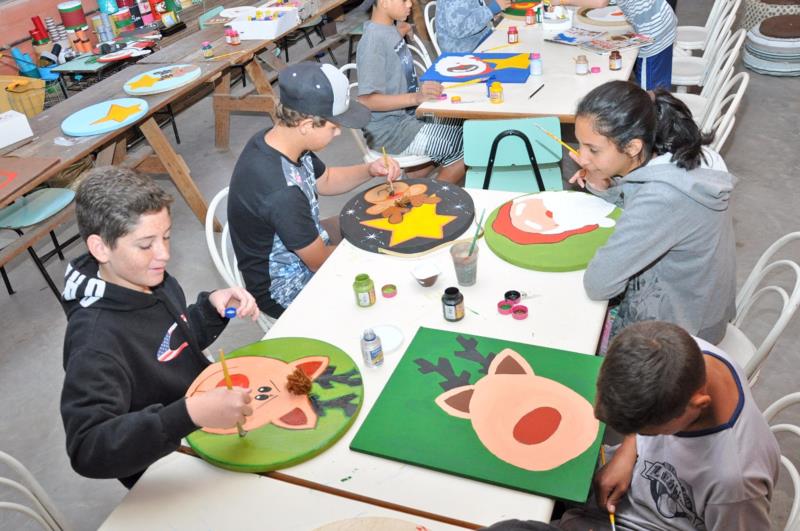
column 526, row 420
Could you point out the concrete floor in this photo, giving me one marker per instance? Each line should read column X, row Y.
column 762, row 152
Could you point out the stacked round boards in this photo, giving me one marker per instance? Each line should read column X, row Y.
column 551, row 231
column 305, row 395
column 773, row 46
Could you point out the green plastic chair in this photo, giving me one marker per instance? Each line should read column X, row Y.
column 512, row 168
column 30, row 210
column 211, row 13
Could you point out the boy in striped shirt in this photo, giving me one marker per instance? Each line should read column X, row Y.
column 654, row 18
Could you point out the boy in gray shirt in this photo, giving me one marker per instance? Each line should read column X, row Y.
column 700, row 455
column 388, row 86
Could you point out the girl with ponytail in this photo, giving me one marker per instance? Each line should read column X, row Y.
column 672, row 254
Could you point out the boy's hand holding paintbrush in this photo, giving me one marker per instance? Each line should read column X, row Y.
column 385, row 166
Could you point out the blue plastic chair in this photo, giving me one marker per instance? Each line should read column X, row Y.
column 512, row 168
column 32, row 209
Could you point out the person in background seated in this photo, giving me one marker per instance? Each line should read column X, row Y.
column 273, row 210
column 461, row 25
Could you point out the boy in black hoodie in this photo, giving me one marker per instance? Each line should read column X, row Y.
column 132, row 347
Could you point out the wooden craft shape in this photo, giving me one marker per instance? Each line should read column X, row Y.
column 418, row 216
column 518, row 9
column 551, row 231
column 503, row 67
column 610, row 17
column 104, row 117
column 162, row 79
column 286, row 427
column 506, row 413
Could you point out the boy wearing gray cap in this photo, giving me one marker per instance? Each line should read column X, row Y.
column 273, row 210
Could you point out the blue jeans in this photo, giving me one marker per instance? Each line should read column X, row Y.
column 656, row 71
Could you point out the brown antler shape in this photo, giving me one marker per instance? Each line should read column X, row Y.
column 298, row 383
column 443, row 367
column 471, row 353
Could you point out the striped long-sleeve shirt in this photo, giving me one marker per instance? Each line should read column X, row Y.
column 654, row 18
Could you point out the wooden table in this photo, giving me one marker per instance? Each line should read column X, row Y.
column 184, row 493
column 50, row 141
column 259, row 99
column 561, row 316
column 562, row 91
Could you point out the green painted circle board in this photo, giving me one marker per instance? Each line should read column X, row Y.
column 518, row 9
column 551, row 231
column 285, row 429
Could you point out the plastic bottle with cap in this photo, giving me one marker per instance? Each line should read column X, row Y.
column 536, row 64
column 371, row 349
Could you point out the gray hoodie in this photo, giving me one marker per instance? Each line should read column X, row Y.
column 673, row 250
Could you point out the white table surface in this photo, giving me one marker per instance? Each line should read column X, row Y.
column 561, row 316
column 562, row 91
column 184, row 493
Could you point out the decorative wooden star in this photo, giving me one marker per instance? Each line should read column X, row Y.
column 144, row 81
column 118, row 113
column 421, row 222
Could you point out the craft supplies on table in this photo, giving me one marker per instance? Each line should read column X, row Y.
column 453, row 304
column 536, row 64
column 364, row 288
column 371, row 349
column 277, row 21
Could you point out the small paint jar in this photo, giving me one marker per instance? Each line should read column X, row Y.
column 513, row 35
column 513, row 296
column 530, row 17
column 615, row 61
column 504, row 307
column 228, row 35
column 519, row 312
column 536, row 64
column 496, row 92
column 371, row 349
column 581, row 65
column 208, row 51
column 236, row 39
column 365, row 290
column 388, row 291
column 453, row 304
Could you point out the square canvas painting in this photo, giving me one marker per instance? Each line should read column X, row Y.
column 507, row 413
column 457, row 67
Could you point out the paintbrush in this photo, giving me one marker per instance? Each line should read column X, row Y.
column 611, row 516
column 229, row 385
column 477, row 232
column 500, row 47
column 554, row 137
column 226, row 55
column 465, row 83
column 386, row 165
column 536, row 91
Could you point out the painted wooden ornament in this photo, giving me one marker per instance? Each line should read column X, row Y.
column 609, row 17
column 506, row 413
column 104, row 117
column 518, row 9
column 119, row 55
column 551, row 231
column 419, row 215
column 305, row 395
column 503, row 67
column 161, row 79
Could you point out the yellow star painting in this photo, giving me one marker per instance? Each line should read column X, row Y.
column 144, row 81
column 118, row 113
column 515, row 61
column 421, row 222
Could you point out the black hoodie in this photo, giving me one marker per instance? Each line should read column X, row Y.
column 129, row 358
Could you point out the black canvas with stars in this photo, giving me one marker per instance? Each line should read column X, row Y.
column 415, row 216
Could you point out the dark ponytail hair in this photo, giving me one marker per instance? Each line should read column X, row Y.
column 622, row 111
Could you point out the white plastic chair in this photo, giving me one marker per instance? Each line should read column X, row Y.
column 223, row 257
column 42, row 509
column 721, row 72
column 735, row 342
column 721, row 117
column 370, row 155
column 430, row 18
column 696, row 37
column 694, row 71
column 793, row 523
column 423, row 61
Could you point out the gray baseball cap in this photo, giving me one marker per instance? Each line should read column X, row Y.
column 319, row 89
